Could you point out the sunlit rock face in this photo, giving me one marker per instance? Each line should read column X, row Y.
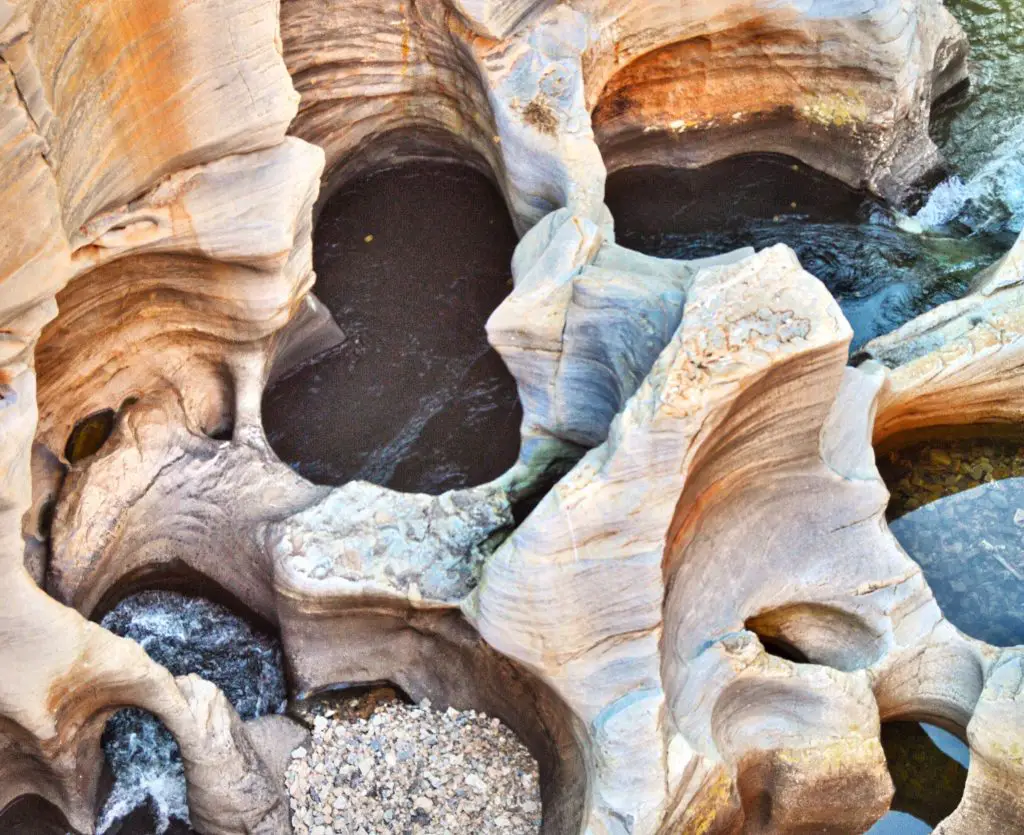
column 715, row 492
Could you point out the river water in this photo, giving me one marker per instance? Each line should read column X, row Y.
column 881, row 273
column 982, row 133
column 411, row 261
column 186, row 635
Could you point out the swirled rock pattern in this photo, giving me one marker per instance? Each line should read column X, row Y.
column 161, row 164
column 961, row 362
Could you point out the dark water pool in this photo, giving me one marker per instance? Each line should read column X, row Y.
column 881, row 275
column 929, row 769
column 411, row 261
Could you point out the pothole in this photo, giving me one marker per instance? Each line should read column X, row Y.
column 928, row 766
column 186, row 635
column 411, row 262
column 379, row 764
column 32, row 815
column 89, row 435
column 957, row 508
column 881, row 274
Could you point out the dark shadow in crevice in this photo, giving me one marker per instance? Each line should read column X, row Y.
column 32, row 815
column 783, row 649
column 224, row 431
column 89, row 435
column 720, row 199
column 812, row 633
column 179, row 578
column 411, row 262
column 424, row 146
column 929, row 781
column 347, row 702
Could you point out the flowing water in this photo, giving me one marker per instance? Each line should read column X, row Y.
column 881, row 275
column 982, row 132
column 186, row 635
column 883, row 268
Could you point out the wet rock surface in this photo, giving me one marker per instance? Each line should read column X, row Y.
column 379, row 765
column 957, row 507
column 411, row 262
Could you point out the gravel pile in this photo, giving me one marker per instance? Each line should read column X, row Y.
column 393, row 767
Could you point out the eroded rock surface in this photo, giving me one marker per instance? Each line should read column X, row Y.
column 961, row 362
column 156, row 246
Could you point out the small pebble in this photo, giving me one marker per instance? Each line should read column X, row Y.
column 376, row 767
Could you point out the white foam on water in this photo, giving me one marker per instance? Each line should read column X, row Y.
column 185, row 635
column 147, row 769
column 990, row 201
column 944, row 203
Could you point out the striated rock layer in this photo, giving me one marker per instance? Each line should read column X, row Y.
column 721, row 493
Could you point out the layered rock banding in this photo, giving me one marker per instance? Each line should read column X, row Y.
column 723, row 497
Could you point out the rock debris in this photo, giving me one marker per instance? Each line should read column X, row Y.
column 393, row 767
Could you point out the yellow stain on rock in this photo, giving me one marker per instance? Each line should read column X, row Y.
column 836, row 109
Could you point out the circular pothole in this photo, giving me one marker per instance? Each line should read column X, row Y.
column 379, row 764
column 957, row 508
column 881, row 275
column 32, row 815
column 411, row 262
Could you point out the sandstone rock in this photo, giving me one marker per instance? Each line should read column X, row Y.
column 92, row 121
column 582, row 328
column 959, row 363
column 520, row 89
column 728, row 501
column 689, row 84
column 595, row 592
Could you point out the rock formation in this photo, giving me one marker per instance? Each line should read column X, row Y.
column 161, row 164
column 959, row 363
